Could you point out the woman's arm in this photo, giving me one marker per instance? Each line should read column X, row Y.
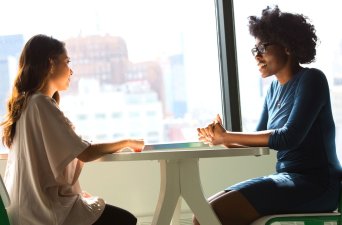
column 96, row 151
column 262, row 125
column 311, row 96
column 215, row 134
column 255, row 139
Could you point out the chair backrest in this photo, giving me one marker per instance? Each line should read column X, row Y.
column 4, row 194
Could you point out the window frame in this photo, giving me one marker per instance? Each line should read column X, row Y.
column 230, row 91
column 227, row 56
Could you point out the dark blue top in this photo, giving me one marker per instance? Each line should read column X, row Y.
column 300, row 114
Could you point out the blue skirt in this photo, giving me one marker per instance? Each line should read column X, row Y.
column 291, row 193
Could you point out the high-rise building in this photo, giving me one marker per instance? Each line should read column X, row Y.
column 175, row 86
column 104, row 58
column 133, row 92
column 336, row 88
column 10, row 48
column 8, row 68
column 11, row 45
column 150, row 72
column 4, row 85
column 104, row 115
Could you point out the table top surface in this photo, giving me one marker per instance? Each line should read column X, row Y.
column 185, row 154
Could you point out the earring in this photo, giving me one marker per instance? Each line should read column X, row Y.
column 52, row 69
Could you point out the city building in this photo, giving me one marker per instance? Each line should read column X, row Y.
column 175, row 86
column 11, row 45
column 114, row 113
column 8, row 68
column 10, row 49
column 104, row 58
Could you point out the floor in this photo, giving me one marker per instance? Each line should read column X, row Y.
column 186, row 219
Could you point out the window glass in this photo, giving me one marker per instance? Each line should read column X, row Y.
column 329, row 56
column 142, row 68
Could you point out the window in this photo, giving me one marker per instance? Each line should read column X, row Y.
column 328, row 59
column 156, row 59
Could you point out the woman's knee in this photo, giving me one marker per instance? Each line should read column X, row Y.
column 128, row 218
column 132, row 221
column 114, row 215
column 194, row 220
column 233, row 208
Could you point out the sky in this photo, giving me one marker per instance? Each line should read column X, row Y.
column 147, row 26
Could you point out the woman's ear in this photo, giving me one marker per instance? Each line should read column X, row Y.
column 287, row 51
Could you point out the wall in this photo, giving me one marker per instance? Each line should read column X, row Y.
column 135, row 185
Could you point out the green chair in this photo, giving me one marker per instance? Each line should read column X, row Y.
column 307, row 218
column 4, row 202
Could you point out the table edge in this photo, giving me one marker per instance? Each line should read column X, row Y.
column 185, row 154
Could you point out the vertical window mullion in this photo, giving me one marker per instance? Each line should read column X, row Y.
column 228, row 65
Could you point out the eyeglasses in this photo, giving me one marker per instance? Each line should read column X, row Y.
column 260, row 49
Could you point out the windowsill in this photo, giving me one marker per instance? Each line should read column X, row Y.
column 3, row 156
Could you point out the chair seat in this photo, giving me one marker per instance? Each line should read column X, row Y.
column 263, row 220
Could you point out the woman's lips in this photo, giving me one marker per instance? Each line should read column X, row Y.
column 262, row 65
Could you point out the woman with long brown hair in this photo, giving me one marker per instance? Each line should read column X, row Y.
column 46, row 156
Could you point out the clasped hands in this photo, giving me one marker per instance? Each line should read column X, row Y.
column 213, row 134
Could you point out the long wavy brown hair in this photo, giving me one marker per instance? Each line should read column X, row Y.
column 35, row 65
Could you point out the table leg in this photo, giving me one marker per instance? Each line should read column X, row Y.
column 177, row 213
column 169, row 192
column 191, row 190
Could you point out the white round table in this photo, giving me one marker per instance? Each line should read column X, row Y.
column 180, row 177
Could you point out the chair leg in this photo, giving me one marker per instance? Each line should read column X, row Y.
column 3, row 214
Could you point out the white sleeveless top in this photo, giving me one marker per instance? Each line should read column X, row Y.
column 42, row 170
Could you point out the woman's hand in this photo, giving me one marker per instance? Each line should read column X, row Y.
column 95, row 151
column 136, row 144
column 86, row 194
column 214, row 133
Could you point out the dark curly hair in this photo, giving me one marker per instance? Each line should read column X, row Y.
column 292, row 31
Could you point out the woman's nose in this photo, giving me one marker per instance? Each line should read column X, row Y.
column 71, row 72
column 258, row 56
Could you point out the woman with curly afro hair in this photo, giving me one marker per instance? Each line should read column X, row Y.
column 296, row 122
